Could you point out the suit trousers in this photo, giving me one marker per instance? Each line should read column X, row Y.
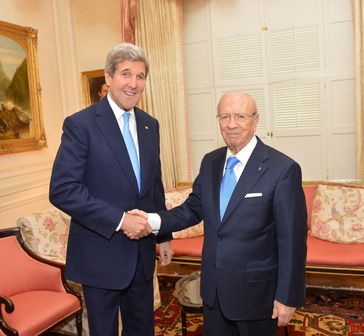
column 134, row 302
column 216, row 324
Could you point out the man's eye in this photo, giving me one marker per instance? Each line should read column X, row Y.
column 241, row 117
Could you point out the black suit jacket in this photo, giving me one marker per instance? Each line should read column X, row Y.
column 93, row 181
column 257, row 252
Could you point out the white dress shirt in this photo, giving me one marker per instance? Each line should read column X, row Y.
column 118, row 112
column 243, row 156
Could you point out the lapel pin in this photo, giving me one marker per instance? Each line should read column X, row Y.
column 259, row 168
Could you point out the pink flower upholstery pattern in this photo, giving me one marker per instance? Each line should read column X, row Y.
column 176, row 197
column 46, row 233
column 338, row 214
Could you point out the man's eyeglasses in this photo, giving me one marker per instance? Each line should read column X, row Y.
column 238, row 117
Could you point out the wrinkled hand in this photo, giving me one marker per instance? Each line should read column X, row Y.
column 138, row 212
column 135, row 227
column 283, row 313
column 165, row 253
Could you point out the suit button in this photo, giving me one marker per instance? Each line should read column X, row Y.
column 219, row 237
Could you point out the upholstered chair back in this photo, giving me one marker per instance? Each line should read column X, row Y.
column 20, row 273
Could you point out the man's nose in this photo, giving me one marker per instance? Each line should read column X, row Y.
column 133, row 82
column 232, row 122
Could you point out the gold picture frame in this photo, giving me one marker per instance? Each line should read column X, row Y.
column 21, row 121
column 91, row 85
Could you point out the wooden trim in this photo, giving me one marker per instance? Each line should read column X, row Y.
column 354, row 271
column 187, row 260
column 343, row 183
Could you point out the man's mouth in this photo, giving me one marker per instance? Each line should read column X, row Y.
column 232, row 134
column 129, row 93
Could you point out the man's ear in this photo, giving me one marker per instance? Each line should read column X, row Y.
column 256, row 121
column 108, row 78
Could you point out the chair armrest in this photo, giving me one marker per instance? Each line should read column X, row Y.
column 9, row 308
column 9, row 305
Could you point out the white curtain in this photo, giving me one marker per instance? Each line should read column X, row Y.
column 358, row 19
column 159, row 33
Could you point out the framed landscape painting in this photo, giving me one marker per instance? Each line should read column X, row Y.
column 21, row 122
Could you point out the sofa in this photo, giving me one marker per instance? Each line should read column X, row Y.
column 335, row 240
column 45, row 233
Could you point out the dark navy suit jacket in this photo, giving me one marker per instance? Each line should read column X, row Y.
column 93, row 181
column 257, row 252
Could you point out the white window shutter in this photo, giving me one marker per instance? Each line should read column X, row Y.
column 295, row 50
column 296, row 106
column 239, row 57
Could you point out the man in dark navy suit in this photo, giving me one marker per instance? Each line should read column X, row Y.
column 255, row 225
column 108, row 163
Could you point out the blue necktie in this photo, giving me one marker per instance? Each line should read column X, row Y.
column 228, row 184
column 130, row 145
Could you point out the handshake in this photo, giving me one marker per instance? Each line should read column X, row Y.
column 135, row 224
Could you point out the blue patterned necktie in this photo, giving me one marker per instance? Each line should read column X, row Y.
column 228, row 184
column 130, row 145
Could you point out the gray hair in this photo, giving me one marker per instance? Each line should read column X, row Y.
column 125, row 52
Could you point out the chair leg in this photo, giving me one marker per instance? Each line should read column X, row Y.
column 79, row 324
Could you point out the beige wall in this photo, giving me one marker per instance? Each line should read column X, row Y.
column 96, row 30
column 73, row 36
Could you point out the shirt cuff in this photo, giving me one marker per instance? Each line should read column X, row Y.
column 121, row 223
column 154, row 220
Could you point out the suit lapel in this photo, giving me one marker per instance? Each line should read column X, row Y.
column 108, row 126
column 253, row 171
column 147, row 143
column 217, row 173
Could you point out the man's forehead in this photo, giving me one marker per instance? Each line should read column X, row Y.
column 131, row 66
column 237, row 101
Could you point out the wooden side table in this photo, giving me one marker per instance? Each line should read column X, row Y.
column 187, row 292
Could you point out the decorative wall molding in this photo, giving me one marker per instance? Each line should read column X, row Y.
column 24, row 185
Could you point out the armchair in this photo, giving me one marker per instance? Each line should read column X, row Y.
column 45, row 233
column 34, row 296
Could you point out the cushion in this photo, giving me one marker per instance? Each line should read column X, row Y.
column 176, row 197
column 338, row 214
column 45, row 233
column 326, row 253
column 35, row 311
column 191, row 247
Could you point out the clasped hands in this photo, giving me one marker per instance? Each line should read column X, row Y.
column 135, row 224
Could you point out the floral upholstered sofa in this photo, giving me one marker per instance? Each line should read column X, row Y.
column 335, row 240
column 46, row 233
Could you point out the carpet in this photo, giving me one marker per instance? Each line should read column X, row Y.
column 326, row 313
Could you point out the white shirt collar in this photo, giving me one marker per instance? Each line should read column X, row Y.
column 244, row 154
column 117, row 110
